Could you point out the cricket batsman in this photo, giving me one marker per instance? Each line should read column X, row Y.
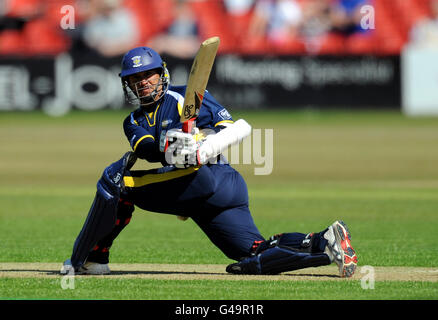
column 195, row 181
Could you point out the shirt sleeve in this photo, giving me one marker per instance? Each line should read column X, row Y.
column 212, row 114
column 135, row 133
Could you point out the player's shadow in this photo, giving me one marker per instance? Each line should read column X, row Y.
column 117, row 273
column 152, row 272
column 133, row 272
column 301, row 275
column 310, row 275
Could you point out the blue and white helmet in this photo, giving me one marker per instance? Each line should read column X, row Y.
column 139, row 60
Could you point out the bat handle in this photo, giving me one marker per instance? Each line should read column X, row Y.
column 188, row 125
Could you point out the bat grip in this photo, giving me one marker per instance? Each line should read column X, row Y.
column 188, row 125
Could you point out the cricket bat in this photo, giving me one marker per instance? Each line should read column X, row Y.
column 197, row 82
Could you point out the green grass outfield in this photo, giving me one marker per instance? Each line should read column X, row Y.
column 377, row 171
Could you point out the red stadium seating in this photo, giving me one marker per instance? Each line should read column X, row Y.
column 43, row 39
column 332, row 44
column 41, row 35
column 11, row 42
column 361, row 44
column 152, row 16
column 23, row 8
column 214, row 21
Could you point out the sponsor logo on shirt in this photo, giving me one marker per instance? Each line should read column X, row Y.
column 224, row 114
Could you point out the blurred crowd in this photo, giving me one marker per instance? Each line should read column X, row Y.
column 253, row 27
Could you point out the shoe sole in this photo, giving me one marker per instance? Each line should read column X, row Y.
column 348, row 255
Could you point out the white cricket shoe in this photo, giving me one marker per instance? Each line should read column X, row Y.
column 94, row 268
column 88, row 268
column 339, row 248
column 67, row 268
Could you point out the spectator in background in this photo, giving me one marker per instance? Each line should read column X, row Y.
column 238, row 7
column 425, row 32
column 108, row 28
column 334, row 27
column 315, row 23
column 345, row 16
column 181, row 38
column 277, row 20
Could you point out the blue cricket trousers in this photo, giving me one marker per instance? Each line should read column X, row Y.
column 215, row 196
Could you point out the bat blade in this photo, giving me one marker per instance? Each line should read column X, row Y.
column 197, row 82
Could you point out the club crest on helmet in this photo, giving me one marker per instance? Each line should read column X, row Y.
column 136, row 61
